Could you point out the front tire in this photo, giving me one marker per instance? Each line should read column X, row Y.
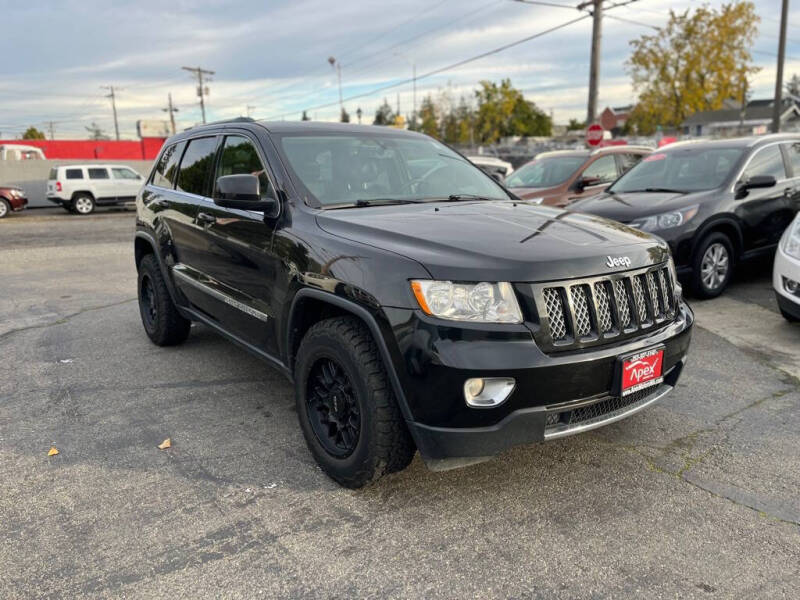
column 83, row 204
column 162, row 322
column 5, row 208
column 347, row 410
column 712, row 267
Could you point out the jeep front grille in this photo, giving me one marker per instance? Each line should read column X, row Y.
column 601, row 309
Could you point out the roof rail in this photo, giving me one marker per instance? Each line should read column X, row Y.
column 622, row 147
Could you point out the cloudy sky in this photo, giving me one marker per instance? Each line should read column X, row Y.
column 270, row 57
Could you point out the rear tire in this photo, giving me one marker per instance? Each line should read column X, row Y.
column 162, row 322
column 712, row 266
column 5, row 208
column 346, row 406
column 83, row 204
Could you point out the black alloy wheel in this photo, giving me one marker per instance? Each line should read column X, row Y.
column 333, row 408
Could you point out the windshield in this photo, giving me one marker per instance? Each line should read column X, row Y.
column 351, row 168
column 680, row 170
column 545, row 172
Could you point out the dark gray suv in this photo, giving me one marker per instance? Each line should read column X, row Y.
column 715, row 202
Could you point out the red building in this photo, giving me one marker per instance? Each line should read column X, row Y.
column 143, row 149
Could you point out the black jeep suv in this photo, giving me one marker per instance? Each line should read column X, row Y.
column 714, row 202
column 414, row 302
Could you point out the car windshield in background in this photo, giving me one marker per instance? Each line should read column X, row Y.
column 680, row 170
column 351, row 169
column 545, row 172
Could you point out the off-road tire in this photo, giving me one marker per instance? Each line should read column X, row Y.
column 165, row 326
column 698, row 287
column 384, row 443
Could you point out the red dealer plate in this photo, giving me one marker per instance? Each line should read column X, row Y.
column 641, row 370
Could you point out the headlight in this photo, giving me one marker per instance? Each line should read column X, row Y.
column 476, row 302
column 792, row 244
column 665, row 220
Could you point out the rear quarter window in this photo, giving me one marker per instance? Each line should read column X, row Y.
column 167, row 166
column 53, row 174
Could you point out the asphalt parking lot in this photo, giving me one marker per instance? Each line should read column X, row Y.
column 695, row 497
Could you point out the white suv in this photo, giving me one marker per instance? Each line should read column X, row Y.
column 786, row 272
column 79, row 188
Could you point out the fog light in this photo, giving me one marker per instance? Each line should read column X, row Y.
column 487, row 392
column 791, row 285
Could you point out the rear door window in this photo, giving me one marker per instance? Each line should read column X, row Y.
column 767, row 161
column 793, row 150
column 74, row 173
column 604, row 169
column 164, row 174
column 97, row 173
column 196, row 166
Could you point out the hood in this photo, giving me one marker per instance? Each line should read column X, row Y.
column 626, row 207
column 496, row 241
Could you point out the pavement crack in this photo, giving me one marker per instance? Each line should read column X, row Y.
column 64, row 319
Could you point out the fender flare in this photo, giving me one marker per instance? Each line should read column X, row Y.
column 369, row 320
column 144, row 235
column 713, row 222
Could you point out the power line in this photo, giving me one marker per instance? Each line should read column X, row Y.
column 454, row 65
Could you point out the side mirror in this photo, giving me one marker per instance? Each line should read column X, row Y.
column 498, row 177
column 243, row 192
column 754, row 182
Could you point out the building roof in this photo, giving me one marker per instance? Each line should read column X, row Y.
column 760, row 112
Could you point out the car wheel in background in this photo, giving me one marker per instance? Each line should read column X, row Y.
column 713, row 266
column 5, row 208
column 162, row 322
column 347, row 410
column 83, row 204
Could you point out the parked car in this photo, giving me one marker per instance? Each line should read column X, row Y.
column 563, row 176
column 492, row 165
column 412, row 301
column 714, row 202
column 12, row 199
column 20, row 152
column 786, row 272
column 80, row 188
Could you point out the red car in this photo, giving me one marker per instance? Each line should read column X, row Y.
column 11, row 199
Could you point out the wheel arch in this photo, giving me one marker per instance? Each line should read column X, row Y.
column 144, row 244
column 310, row 306
column 81, row 193
column 727, row 225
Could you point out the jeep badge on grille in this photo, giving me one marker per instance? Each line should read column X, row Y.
column 617, row 261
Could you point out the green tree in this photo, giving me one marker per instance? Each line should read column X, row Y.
column 31, row 133
column 384, row 114
column 503, row 111
column 696, row 62
column 574, row 124
column 345, row 116
column 428, row 117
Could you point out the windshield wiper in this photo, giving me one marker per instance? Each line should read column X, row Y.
column 378, row 201
column 653, row 190
column 459, row 197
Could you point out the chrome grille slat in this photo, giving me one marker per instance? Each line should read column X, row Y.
column 605, row 320
column 596, row 310
column 583, row 323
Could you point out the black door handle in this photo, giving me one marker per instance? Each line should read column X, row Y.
column 206, row 218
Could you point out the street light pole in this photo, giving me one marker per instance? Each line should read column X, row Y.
column 338, row 66
column 594, row 66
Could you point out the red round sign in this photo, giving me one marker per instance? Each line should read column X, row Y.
column 594, row 134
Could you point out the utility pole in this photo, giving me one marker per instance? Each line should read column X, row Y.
column 51, row 127
column 414, row 96
column 113, row 106
column 201, row 90
column 248, row 108
column 594, row 66
column 171, row 110
column 776, row 108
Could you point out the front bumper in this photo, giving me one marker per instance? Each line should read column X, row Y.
column 787, row 267
column 556, row 394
